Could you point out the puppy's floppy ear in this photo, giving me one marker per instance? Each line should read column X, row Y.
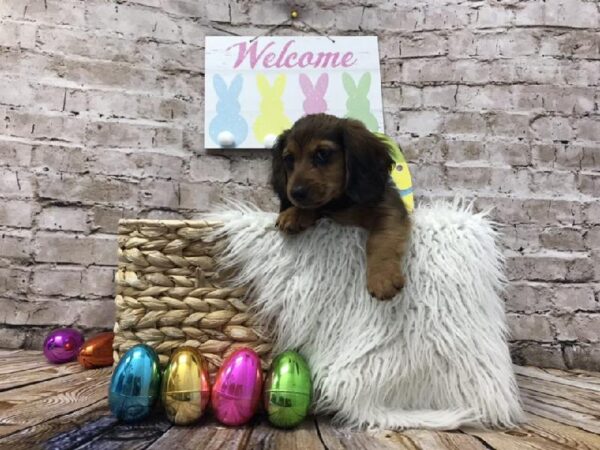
column 278, row 173
column 368, row 163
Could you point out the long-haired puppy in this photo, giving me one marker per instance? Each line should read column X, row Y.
column 325, row 166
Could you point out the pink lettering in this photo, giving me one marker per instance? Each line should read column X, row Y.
column 279, row 62
column 243, row 52
column 323, row 59
column 288, row 60
column 347, row 60
column 305, row 59
column 267, row 61
column 268, row 57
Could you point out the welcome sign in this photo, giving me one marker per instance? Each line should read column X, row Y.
column 257, row 87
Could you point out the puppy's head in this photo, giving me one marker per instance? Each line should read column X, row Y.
column 323, row 158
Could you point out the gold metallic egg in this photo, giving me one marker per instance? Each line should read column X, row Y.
column 185, row 386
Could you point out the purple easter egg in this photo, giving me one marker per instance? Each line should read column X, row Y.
column 63, row 345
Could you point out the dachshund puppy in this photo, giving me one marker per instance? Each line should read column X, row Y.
column 325, row 166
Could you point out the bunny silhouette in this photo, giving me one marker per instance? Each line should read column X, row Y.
column 314, row 101
column 357, row 104
column 228, row 116
column 271, row 119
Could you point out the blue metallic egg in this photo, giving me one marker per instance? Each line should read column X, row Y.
column 135, row 384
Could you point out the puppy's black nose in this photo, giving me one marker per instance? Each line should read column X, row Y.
column 299, row 193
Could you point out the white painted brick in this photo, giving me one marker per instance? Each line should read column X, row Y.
column 16, row 213
column 442, row 96
column 443, row 17
column 15, row 245
column 58, row 158
column 14, row 154
column 218, row 11
column 106, row 218
column 534, row 327
column 198, row 196
column 75, row 248
column 251, row 171
column 87, row 189
column 582, row 44
column 57, row 281
column 43, row 126
column 210, row 168
column 589, row 184
column 61, row 218
column 410, row 97
column 14, row 281
column 588, row 129
column 131, row 134
column 98, row 281
column 492, row 16
column 15, row 183
column 513, row 153
column 14, row 34
column 160, row 193
column 469, row 98
column 423, row 44
column 420, row 123
column 572, row 13
column 401, row 19
column 582, row 327
column 48, row 11
column 80, row 313
column 136, row 164
column 132, row 21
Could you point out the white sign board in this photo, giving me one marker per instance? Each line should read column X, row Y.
column 256, row 87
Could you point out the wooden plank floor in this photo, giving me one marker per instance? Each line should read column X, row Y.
column 65, row 407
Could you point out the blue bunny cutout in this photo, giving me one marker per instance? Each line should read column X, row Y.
column 228, row 116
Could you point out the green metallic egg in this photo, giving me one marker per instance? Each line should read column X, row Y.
column 288, row 390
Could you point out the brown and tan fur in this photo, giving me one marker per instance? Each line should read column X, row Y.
column 330, row 167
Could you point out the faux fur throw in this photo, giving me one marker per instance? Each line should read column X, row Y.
column 435, row 356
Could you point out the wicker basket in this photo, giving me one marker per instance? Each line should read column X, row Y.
column 169, row 293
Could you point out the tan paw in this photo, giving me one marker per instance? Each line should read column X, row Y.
column 385, row 284
column 294, row 220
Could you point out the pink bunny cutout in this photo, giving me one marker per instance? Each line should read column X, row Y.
column 314, row 101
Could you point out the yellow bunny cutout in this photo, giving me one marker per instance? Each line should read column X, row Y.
column 271, row 119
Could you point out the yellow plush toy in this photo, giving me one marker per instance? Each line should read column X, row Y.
column 400, row 172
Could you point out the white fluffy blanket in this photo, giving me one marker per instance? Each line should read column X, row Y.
column 435, row 356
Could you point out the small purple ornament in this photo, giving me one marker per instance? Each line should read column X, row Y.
column 63, row 345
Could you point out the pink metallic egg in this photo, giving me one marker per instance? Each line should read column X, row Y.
column 237, row 389
column 62, row 345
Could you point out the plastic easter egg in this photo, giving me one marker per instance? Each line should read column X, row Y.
column 135, row 384
column 288, row 390
column 62, row 345
column 97, row 351
column 185, row 386
column 237, row 389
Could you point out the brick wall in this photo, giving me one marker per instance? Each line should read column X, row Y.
column 101, row 117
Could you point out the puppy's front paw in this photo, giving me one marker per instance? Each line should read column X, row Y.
column 385, row 283
column 294, row 220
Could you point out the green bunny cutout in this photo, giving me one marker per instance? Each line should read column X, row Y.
column 272, row 118
column 358, row 105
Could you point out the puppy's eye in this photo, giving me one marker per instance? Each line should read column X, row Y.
column 321, row 157
column 288, row 162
